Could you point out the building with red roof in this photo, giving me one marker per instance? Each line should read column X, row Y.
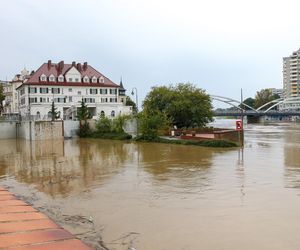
column 67, row 85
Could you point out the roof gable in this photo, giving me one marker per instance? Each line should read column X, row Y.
column 61, row 68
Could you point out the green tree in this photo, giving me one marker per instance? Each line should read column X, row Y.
column 103, row 125
column 54, row 114
column 2, row 97
column 250, row 102
column 83, row 114
column 264, row 96
column 184, row 104
column 118, row 123
column 129, row 102
column 150, row 124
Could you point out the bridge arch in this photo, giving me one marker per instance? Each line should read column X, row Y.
column 231, row 102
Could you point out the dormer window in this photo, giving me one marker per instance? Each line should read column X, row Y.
column 86, row 79
column 43, row 78
column 94, row 79
column 101, row 79
column 51, row 78
column 60, row 78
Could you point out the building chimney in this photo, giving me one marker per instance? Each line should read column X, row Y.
column 60, row 66
column 49, row 64
column 74, row 64
column 79, row 66
column 85, row 66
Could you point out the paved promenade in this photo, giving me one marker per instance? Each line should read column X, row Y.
column 24, row 228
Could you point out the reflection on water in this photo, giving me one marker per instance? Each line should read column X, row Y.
column 158, row 196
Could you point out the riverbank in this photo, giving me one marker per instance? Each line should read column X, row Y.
column 165, row 139
column 178, row 141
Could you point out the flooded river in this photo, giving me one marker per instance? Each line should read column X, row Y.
column 144, row 196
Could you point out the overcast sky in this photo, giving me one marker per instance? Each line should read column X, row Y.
column 221, row 46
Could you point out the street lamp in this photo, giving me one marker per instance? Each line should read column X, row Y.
column 137, row 104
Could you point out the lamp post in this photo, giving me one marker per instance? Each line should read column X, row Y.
column 137, row 104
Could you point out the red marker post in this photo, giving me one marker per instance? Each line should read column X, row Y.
column 239, row 128
column 239, row 125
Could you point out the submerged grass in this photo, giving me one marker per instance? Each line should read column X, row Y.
column 204, row 143
column 156, row 139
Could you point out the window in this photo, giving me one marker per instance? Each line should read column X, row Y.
column 43, row 99
column 33, row 100
column 89, row 100
column 52, row 78
column 94, row 79
column 61, row 78
column 55, row 90
column 43, row 78
column 102, row 114
column 86, row 79
column 101, row 79
column 60, row 99
column 43, row 90
column 70, row 89
column 113, row 99
column 38, row 114
column 112, row 113
column 70, row 99
column 103, row 99
column 93, row 91
column 76, row 80
column 22, row 101
column 103, row 91
column 70, row 79
column 32, row 90
column 79, row 92
column 22, row 91
column 113, row 91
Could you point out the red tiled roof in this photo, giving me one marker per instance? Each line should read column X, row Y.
column 57, row 69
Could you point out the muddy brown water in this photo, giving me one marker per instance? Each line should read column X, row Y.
column 144, row 196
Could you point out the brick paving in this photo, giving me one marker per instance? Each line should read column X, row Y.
column 24, row 228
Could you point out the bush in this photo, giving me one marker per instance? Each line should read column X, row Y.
column 84, row 130
column 149, row 125
column 103, row 125
column 113, row 136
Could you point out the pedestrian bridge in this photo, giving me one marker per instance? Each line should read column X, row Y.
column 246, row 110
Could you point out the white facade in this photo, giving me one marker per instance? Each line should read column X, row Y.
column 37, row 100
column 11, row 102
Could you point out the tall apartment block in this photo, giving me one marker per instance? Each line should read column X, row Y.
column 291, row 75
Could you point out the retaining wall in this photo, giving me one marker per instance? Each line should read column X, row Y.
column 7, row 130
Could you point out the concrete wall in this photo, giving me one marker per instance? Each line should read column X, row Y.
column 7, row 130
column 71, row 128
column 40, row 130
column 24, row 130
column 44, row 130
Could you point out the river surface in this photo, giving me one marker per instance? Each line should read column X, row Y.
column 144, row 196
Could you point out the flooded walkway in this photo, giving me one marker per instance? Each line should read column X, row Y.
column 24, row 228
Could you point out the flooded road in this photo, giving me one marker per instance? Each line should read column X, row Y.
column 118, row 195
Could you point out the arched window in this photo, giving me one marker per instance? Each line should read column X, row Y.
column 94, row 79
column 38, row 114
column 86, row 79
column 60, row 78
column 43, row 78
column 49, row 114
column 102, row 114
column 51, row 78
column 112, row 113
column 101, row 79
